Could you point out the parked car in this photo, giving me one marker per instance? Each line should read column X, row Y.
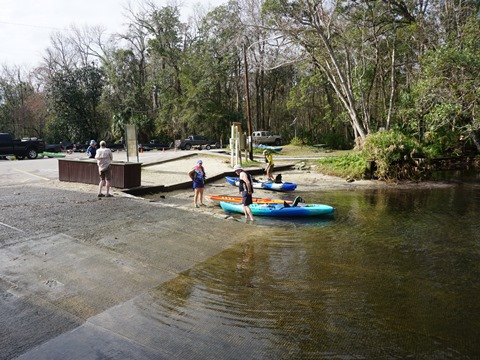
column 81, row 147
column 195, row 141
column 66, row 145
column 117, row 146
column 55, row 148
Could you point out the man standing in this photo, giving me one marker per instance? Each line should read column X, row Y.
column 104, row 160
column 245, row 187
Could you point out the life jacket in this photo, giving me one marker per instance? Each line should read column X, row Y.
column 242, row 186
column 199, row 174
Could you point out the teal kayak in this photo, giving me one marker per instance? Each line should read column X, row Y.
column 280, row 210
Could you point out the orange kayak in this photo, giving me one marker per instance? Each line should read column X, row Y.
column 238, row 199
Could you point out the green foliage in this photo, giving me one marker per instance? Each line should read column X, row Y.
column 334, row 140
column 446, row 92
column 297, row 141
column 74, row 97
column 173, row 79
column 438, row 144
column 393, row 154
column 347, row 166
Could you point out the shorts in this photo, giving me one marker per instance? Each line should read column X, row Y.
column 246, row 198
column 198, row 184
column 270, row 168
column 106, row 174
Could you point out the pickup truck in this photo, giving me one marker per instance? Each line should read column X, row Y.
column 266, row 138
column 29, row 148
column 155, row 145
column 116, row 146
column 197, row 141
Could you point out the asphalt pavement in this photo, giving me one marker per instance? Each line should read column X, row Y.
column 77, row 272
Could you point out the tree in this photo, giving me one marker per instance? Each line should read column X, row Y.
column 211, row 77
column 74, row 97
column 22, row 105
column 318, row 29
column 447, row 93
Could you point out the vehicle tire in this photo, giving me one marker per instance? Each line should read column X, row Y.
column 278, row 142
column 188, row 146
column 32, row 153
column 208, row 147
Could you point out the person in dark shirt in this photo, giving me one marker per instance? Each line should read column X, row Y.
column 92, row 149
column 246, row 189
column 197, row 174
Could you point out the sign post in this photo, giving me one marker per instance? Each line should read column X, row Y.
column 131, row 142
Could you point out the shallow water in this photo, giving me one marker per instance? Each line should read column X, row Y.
column 395, row 274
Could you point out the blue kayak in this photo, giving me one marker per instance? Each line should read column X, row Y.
column 279, row 210
column 265, row 184
column 267, row 147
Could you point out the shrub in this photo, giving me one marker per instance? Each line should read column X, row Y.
column 297, row 141
column 393, row 153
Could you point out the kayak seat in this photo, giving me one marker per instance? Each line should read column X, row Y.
column 297, row 200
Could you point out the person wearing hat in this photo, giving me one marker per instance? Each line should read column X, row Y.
column 270, row 165
column 92, row 150
column 197, row 174
column 104, row 158
column 245, row 187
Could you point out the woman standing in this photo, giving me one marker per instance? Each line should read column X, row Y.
column 197, row 174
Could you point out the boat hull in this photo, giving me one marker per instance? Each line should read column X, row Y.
column 266, row 185
column 278, row 210
column 238, row 199
column 267, row 147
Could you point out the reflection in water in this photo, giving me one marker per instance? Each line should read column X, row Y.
column 394, row 275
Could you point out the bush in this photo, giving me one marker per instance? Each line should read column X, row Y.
column 393, row 153
column 297, row 141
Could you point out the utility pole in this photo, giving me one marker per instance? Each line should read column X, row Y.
column 247, row 104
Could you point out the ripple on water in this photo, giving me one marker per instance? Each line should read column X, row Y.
column 392, row 275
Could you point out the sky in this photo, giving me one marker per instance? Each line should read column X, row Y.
column 26, row 25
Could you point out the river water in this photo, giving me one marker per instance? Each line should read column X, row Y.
column 395, row 274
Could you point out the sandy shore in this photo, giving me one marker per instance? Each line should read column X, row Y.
column 175, row 172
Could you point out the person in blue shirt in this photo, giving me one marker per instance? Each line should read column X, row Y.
column 197, row 174
column 92, row 149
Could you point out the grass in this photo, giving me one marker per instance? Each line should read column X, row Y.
column 303, row 150
column 341, row 163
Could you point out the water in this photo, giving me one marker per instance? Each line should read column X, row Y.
column 396, row 274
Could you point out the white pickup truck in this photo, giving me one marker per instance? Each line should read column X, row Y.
column 266, row 138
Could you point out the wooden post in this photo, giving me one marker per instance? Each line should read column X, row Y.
column 247, row 102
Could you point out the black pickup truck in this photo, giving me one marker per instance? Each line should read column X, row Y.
column 195, row 141
column 21, row 148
